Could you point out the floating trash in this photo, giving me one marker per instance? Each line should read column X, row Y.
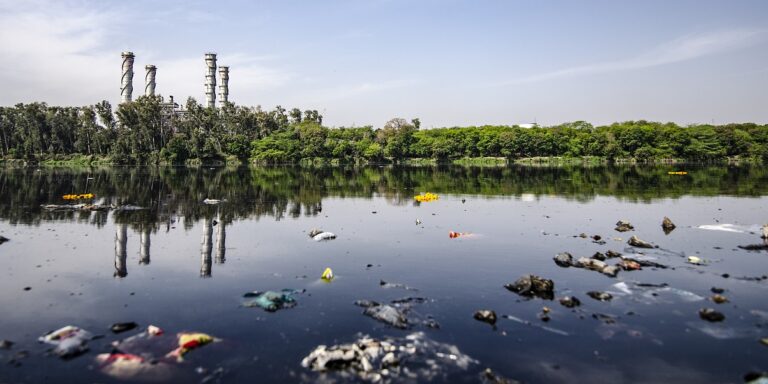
column 324, row 236
column 69, row 341
column 190, row 341
column 126, row 366
column 414, row 358
column 486, row 316
column 78, row 196
column 123, row 327
column 271, row 301
column 533, row 286
column 212, row 201
column 426, row 197
column 327, row 275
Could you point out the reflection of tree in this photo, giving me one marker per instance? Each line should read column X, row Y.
column 171, row 193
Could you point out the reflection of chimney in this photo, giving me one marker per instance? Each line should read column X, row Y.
column 206, row 246
column 121, row 239
column 149, row 80
column 210, row 80
column 144, row 252
column 221, row 237
column 224, row 86
column 126, row 82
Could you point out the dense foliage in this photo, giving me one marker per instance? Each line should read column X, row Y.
column 149, row 131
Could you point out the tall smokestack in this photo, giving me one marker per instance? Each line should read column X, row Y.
column 224, row 86
column 210, row 80
column 126, row 82
column 149, row 80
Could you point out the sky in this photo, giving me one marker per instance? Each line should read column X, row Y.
column 446, row 62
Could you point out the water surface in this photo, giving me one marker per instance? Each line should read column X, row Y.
column 183, row 265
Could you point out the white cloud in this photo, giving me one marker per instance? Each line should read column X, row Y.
column 58, row 52
column 682, row 49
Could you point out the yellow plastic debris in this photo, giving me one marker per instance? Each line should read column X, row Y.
column 425, row 197
column 78, row 197
column 190, row 341
column 694, row 260
column 677, row 173
column 327, row 275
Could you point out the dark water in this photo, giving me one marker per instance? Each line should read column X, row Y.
column 519, row 219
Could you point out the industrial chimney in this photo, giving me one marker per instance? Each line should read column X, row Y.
column 224, row 86
column 149, row 80
column 210, row 80
column 126, row 87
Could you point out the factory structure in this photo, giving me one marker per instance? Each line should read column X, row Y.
column 126, row 82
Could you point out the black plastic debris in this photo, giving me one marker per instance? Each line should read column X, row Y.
column 600, row 296
column 3, row 239
column 6, row 344
column 123, row 327
column 533, row 286
column 711, row 315
column 570, row 302
column 636, row 242
column 486, row 316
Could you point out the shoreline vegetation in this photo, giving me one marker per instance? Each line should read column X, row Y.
column 150, row 131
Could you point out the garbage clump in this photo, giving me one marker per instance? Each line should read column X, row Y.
column 3, row 239
column 271, row 301
column 636, row 242
column 6, row 344
column 597, row 265
column 387, row 314
column 630, row 264
column 486, row 316
column 426, row 197
column 533, row 286
column 600, row 296
column 123, row 327
column 81, row 196
column 212, row 201
column 711, row 315
column 69, row 341
column 624, row 226
column 570, row 302
column 667, row 225
column 412, row 358
column 764, row 231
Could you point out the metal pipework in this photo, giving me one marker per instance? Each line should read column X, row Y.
column 126, row 81
column 224, row 86
column 210, row 80
column 149, row 80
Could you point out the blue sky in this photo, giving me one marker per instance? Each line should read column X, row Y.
column 447, row 62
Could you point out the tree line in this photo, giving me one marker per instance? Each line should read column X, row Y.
column 148, row 130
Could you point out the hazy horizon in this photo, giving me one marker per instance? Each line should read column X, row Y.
column 449, row 63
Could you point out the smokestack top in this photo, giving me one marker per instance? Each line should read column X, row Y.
column 150, row 66
column 127, row 54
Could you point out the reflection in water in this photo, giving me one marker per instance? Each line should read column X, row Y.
column 221, row 236
column 144, row 252
column 121, row 240
column 206, row 246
